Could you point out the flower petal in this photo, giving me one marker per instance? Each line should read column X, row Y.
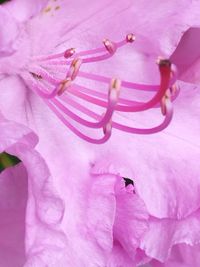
column 74, row 26
column 163, row 166
column 13, row 198
column 187, row 56
column 131, row 223
column 23, row 10
column 11, row 133
column 182, row 255
column 173, row 232
column 44, row 209
column 9, row 30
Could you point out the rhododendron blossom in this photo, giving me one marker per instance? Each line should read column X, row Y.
column 74, row 74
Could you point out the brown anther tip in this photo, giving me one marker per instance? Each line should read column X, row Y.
column 165, row 98
column 36, row 76
column 114, row 89
column 75, row 61
column 163, row 62
column 115, row 83
column 64, row 85
column 130, row 38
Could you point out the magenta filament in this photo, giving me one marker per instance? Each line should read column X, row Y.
column 89, row 113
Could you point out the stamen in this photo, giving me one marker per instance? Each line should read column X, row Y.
column 69, row 52
column 130, row 38
column 38, row 88
column 165, row 72
column 114, row 90
column 40, row 72
column 103, row 96
column 131, row 85
column 166, row 97
column 64, row 85
column 111, row 48
column 126, row 128
column 74, row 68
column 107, row 128
column 162, row 126
column 50, row 76
column 112, row 101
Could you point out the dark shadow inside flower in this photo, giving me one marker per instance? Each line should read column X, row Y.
column 13, row 200
column 7, row 160
column 3, row 1
column 128, row 181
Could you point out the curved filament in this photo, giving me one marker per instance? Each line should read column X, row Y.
column 107, row 129
column 126, row 128
column 111, row 103
column 44, row 78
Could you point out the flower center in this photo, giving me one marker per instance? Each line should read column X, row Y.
column 55, row 78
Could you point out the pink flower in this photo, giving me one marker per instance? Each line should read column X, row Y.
column 79, row 176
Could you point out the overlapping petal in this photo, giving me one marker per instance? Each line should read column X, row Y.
column 115, row 220
column 163, row 234
column 37, row 211
column 182, row 256
column 186, row 56
column 13, row 198
column 9, row 29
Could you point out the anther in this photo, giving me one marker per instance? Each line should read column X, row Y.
column 69, row 52
column 74, row 68
column 114, row 89
column 36, row 76
column 63, row 86
column 130, row 38
column 166, row 97
column 110, row 47
column 107, row 128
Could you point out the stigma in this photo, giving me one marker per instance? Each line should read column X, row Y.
column 59, row 80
